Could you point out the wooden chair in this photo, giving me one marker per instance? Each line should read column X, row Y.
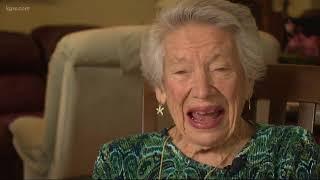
column 282, row 84
column 288, row 83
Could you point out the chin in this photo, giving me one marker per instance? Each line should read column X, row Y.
column 208, row 137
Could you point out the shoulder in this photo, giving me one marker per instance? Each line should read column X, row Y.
column 295, row 151
column 288, row 141
column 284, row 133
column 135, row 142
column 283, row 139
column 120, row 156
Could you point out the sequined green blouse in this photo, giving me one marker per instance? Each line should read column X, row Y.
column 273, row 152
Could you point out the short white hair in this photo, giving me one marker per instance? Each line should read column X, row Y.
column 229, row 16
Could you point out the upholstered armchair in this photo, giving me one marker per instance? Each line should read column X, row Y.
column 94, row 94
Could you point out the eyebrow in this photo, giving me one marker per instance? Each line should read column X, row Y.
column 214, row 56
column 175, row 60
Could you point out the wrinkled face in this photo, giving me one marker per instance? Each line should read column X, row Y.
column 204, row 84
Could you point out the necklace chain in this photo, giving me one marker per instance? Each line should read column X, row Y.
column 161, row 160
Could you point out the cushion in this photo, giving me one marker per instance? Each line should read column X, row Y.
column 23, row 92
column 28, row 131
column 46, row 37
column 117, row 46
column 18, row 52
column 7, row 118
column 270, row 48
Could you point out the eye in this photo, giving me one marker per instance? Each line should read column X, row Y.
column 180, row 72
column 218, row 69
column 221, row 69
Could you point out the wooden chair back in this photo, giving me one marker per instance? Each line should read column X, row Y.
column 288, row 83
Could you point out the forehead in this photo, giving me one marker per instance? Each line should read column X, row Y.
column 201, row 40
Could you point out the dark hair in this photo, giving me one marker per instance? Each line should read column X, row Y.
column 309, row 22
column 254, row 7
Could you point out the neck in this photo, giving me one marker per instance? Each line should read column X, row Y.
column 217, row 156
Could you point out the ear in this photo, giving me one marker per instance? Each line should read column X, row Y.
column 160, row 94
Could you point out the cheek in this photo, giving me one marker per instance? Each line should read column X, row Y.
column 174, row 91
column 229, row 90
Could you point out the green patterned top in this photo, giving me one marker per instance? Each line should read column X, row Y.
column 273, row 152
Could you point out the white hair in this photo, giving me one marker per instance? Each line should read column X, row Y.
column 229, row 16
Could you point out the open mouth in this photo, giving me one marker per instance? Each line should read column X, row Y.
column 206, row 117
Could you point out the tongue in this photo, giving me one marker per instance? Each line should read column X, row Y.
column 205, row 117
column 205, row 120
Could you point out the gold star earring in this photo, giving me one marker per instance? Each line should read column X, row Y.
column 160, row 109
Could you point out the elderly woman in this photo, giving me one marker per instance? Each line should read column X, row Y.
column 202, row 58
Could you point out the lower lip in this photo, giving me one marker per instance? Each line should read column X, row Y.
column 207, row 124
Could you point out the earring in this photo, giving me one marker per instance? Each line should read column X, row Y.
column 160, row 109
column 249, row 104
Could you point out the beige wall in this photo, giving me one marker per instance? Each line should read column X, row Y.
column 297, row 7
column 34, row 13
column 316, row 4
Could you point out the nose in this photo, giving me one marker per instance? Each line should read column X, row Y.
column 201, row 85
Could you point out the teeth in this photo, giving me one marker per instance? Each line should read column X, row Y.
column 205, row 113
column 200, row 115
